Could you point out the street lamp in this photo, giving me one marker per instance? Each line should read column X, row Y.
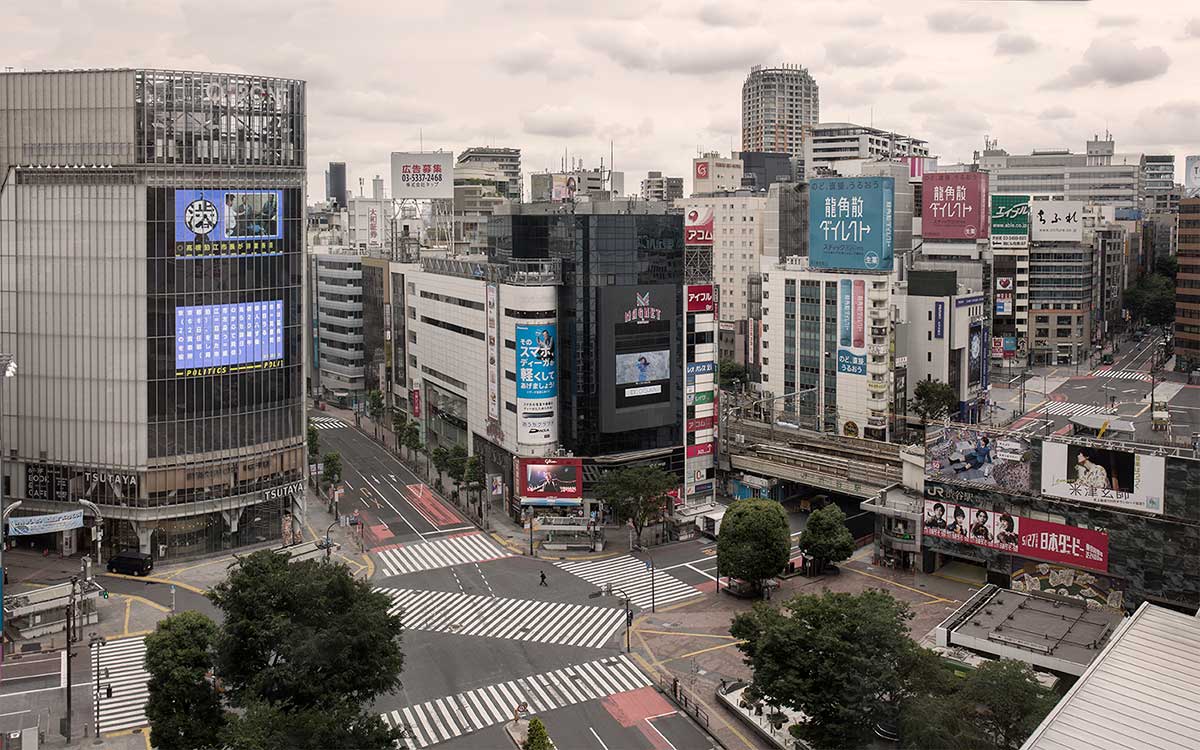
column 9, row 367
column 328, row 541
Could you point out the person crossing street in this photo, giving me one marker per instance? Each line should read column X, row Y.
column 542, row 582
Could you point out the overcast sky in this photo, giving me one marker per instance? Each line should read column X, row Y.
column 659, row 78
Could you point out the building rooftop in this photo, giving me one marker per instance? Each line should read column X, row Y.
column 1143, row 690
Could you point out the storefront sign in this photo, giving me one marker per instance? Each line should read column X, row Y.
column 704, row 449
column 700, row 423
column 292, row 489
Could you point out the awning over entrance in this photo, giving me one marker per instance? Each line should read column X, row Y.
column 550, row 502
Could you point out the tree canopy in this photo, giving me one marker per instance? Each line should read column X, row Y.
column 1152, row 299
column 314, row 443
column 825, row 537
column 537, row 737
column 933, row 399
column 179, row 658
column 637, row 494
column 728, row 371
column 754, row 542
column 332, row 472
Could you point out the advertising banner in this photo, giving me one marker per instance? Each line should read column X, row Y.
column 1010, row 221
column 700, row 298
column 701, row 423
column 423, row 176
column 537, row 383
column 1004, row 283
column 703, row 397
column 1056, row 221
column 230, row 338
column 952, row 205
column 939, row 320
column 704, row 449
column 850, row 223
column 373, row 226
column 1021, row 536
column 551, row 477
column 1004, row 303
column 1010, row 347
column 975, row 359
column 414, row 399
column 852, row 354
column 979, row 457
column 493, row 352
column 699, row 368
column 997, row 346
column 1191, row 177
column 1116, row 478
column 228, row 223
column 55, row 522
column 698, row 229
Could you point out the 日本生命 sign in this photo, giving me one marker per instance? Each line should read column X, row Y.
column 850, row 223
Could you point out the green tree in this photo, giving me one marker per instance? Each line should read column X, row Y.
column 1166, row 265
column 440, row 457
column 412, row 441
column 183, row 706
column 754, row 542
column 456, row 464
column 263, row 726
column 836, row 657
column 399, row 421
column 1151, row 299
column 537, row 737
column 933, row 399
column 1008, row 702
column 825, row 537
column 332, row 472
column 637, row 494
column 473, row 477
column 314, row 443
column 375, row 408
column 729, row 371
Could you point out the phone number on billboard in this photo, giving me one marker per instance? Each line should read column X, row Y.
column 432, row 178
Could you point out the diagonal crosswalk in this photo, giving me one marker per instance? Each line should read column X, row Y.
column 121, row 665
column 515, row 619
column 443, row 719
column 326, row 423
column 441, row 553
column 630, row 574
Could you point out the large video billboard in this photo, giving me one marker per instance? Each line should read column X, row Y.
column 551, row 477
column 228, row 223
column 980, row 457
column 698, row 229
column 953, row 205
column 852, row 345
column 423, row 176
column 537, row 383
column 1105, row 476
column 1056, row 221
column 222, row 339
column 1021, row 536
column 1010, row 221
column 976, row 359
column 850, row 223
column 638, row 359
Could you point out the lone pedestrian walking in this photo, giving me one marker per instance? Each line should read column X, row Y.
column 542, row 582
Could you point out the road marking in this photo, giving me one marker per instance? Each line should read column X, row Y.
column 439, row 553
column 688, row 635
column 448, row 531
column 122, row 665
column 347, row 483
column 483, row 578
column 895, row 583
column 593, row 731
column 631, row 574
column 660, row 734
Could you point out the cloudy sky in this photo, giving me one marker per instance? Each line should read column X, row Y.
column 660, row 79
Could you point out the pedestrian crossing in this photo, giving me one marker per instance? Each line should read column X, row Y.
column 1068, row 409
column 1122, row 374
column 631, row 574
column 415, row 557
column 326, row 423
column 515, row 619
column 121, row 665
column 443, row 719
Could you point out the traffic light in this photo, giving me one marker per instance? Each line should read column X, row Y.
column 103, row 593
column 629, row 618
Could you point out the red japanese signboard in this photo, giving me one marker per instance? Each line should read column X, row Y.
column 700, row 298
column 1024, row 537
column 698, row 229
column 954, row 205
column 704, row 449
column 700, row 423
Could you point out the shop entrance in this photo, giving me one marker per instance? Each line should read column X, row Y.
column 959, row 569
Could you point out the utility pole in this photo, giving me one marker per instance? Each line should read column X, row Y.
column 66, row 730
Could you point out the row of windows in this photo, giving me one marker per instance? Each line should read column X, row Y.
column 452, row 327
column 471, row 304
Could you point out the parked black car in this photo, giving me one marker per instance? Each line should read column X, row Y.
column 131, row 563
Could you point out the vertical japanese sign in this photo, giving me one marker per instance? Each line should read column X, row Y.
column 939, row 320
column 373, row 226
column 537, row 383
column 493, row 352
column 850, row 223
column 1056, row 221
column 952, row 205
column 851, row 356
column 1010, row 221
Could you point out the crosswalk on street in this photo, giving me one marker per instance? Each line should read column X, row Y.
column 632, row 575
column 1068, row 409
column 441, row 553
column 326, row 423
column 514, row 619
column 121, row 666
column 1122, row 374
column 443, row 719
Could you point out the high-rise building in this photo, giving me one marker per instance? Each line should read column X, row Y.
column 1159, row 176
column 151, row 278
column 1187, row 287
column 658, row 188
column 338, row 318
column 335, row 183
column 778, row 105
column 598, row 184
column 505, row 160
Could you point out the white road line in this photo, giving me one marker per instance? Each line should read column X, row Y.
column 593, row 731
column 660, row 734
column 633, row 576
column 439, row 553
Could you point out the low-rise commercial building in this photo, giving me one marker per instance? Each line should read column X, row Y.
column 656, row 187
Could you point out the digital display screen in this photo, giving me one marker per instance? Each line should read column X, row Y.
column 643, row 367
column 222, row 339
column 228, row 223
column 643, row 363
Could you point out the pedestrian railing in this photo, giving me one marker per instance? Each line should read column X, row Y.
column 683, row 699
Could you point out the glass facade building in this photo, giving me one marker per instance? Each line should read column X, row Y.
column 151, row 287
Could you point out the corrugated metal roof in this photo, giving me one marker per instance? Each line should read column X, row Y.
column 1142, row 691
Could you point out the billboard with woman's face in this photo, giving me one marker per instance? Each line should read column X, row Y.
column 1106, row 476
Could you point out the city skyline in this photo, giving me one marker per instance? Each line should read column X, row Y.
column 662, row 81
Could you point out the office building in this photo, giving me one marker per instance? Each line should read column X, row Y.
column 713, row 173
column 761, row 170
column 778, row 105
column 785, row 220
column 1101, row 175
column 369, row 224
column 1187, row 287
column 337, row 279
column 832, row 143
column 335, row 184
column 597, row 184
column 507, row 161
column 1158, row 174
column 478, row 190
column 151, row 270
column 658, row 188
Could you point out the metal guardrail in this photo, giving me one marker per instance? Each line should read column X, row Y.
column 683, row 699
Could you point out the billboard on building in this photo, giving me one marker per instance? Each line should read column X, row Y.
column 563, row 187
column 1004, row 304
column 985, row 458
column 373, row 226
column 1056, row 221
column 852, row 346
column 537, row 383
column 493, row 351
column 228, row 223
column 551, row 477
column 976, row 361
column 423, row 175
column 953, row 204
column 700, row 298
column 698, row 229
column 1105, row 476
column 850, row 223
column 1010, row 221
column 228, row 338
column 638, row 361
column 1018, row 535
column 1191, row 177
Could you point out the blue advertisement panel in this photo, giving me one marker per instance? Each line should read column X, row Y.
column 222, row 339
column 850, row 223
column 939, row 320
column 537, row 373
column 699, row 368
column 228, row 223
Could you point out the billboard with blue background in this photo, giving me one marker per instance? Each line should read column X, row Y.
column 537, row 372
column 850, row 223
column 227, row 223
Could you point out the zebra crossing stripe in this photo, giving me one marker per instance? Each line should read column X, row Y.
column 515, row 619
column 1121, row 374
column 441, row 553
column 630, row 574
column 122, row 666
column 1065, row 408
column 326, row 423
column 445, row 718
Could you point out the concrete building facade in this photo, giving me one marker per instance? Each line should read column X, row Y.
column 1187, row 287
column 656, row 187
column 1100, row 175
column 778, row 105
column 338, row 323
column 505, row 160
column 833, row 142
